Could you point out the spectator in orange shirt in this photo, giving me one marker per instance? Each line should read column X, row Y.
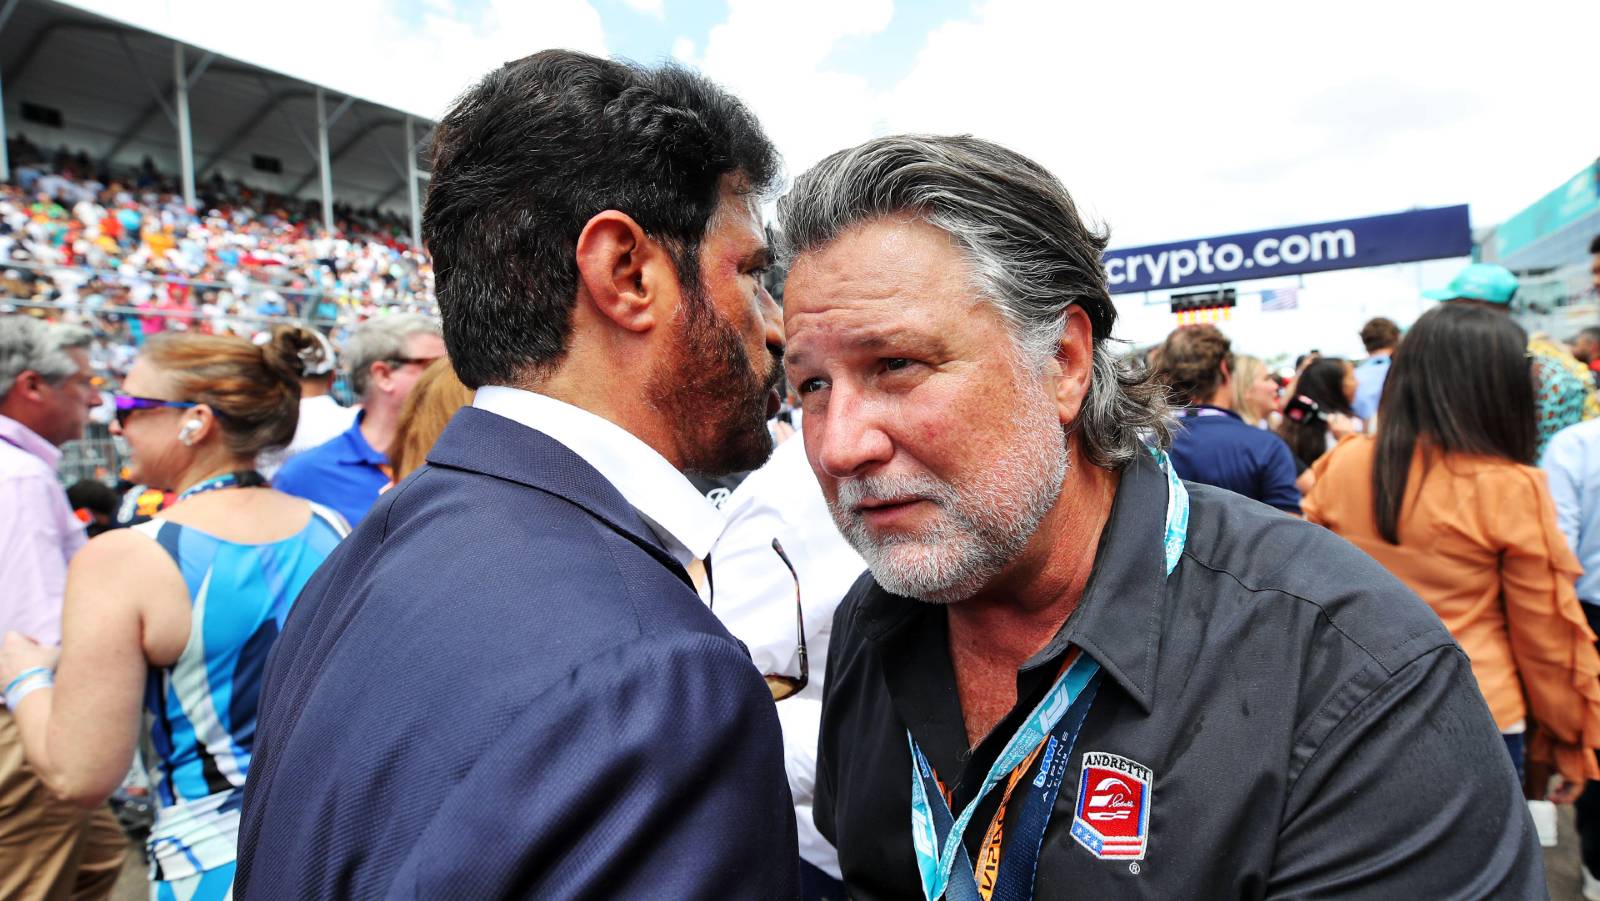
column 1447, row 499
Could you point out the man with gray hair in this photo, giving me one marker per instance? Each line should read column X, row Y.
column 384, row 359
column 48, row 849
column 1068, row 673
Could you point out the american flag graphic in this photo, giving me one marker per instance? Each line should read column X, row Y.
column 1275, row 299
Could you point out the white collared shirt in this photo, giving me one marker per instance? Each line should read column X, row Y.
column 687, row 524
column 322, row 419
column 755, row 600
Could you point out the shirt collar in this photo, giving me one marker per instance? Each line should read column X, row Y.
column 1118, row 619
column 356, row 447
column 1193, row 411
column 679, row 515
column 26, row 439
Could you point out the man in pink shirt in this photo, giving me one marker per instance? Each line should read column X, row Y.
column 48, row 849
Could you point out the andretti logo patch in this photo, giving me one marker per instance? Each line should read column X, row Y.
column 1112, row 818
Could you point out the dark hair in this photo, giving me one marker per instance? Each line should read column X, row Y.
column 1322, row 382
column 1591, row 332
column 1594, row 246
column 254, row 389
column 536, row 149
column 1461, row 384
column 94, row 496
column 1191, row 362
column 1379, row 333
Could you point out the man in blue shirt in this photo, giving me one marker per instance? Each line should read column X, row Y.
column 1572, row 462
column 1213, row 444
column 384, row 357
column 1381, row 336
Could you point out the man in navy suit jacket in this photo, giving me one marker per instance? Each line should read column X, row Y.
column 506, row 682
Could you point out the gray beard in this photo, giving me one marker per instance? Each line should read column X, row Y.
column 981, row 527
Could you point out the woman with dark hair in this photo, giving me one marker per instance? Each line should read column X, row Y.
column 176, row 615
column 1213, row 443
column 1446, row 498
column 1319, row 413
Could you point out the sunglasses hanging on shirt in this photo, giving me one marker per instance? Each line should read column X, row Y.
column 789, row 686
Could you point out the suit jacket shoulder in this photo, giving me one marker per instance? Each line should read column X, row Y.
column 471, row 605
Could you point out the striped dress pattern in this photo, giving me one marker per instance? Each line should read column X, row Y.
column 200, row 713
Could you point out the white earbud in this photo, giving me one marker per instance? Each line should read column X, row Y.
column 186, row 434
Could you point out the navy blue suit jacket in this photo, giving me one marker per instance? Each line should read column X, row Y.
column 501, row 685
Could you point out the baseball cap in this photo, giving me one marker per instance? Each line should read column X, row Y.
column 1480, row 281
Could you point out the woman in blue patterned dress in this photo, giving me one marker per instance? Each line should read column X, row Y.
column 176, row 616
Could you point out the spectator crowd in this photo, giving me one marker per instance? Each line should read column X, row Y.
column 77, row 235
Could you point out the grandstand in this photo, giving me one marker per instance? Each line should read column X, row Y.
column 148, row 184
column 71, row 78
column 149, row 178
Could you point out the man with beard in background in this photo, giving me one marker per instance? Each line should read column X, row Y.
column 506, row 682
column 1069, row 673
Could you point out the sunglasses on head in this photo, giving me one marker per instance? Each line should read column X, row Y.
column 126, row 404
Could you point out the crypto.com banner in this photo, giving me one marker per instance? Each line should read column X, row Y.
column 1351, row 244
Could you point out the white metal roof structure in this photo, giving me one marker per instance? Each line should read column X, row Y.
column 72, row 78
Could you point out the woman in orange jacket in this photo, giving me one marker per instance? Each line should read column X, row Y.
column 1446, row 498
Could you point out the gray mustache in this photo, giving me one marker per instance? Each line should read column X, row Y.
column 854, row 491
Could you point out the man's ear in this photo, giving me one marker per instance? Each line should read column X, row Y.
column 1075, row 357
column 380, row 374
column 625, row 273
column 29, row 384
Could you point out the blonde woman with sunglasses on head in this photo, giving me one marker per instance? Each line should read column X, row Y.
column 171, row 621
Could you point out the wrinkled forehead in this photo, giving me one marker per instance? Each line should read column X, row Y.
column 880, row 284
column 858, row 329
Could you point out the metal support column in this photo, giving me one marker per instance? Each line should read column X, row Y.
column 411, row 185
column 180, row 87
column 5, row 156
column 324, row 164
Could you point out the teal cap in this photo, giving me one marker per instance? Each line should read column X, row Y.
column 1480, row 281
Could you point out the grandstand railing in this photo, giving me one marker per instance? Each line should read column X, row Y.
column 143, row 312
column 243, row 289
column 95, row 456
column 143, row 276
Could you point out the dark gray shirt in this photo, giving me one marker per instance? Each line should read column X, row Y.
column 1305, row 725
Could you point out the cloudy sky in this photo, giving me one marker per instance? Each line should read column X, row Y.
column 1166, row 120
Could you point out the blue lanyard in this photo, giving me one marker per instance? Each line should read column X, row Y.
column 936, row 833
column 248, row 478
column 1057, row 720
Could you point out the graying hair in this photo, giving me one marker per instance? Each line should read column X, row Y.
column 382, row 339
column 28, row 345
column 1031, row 256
